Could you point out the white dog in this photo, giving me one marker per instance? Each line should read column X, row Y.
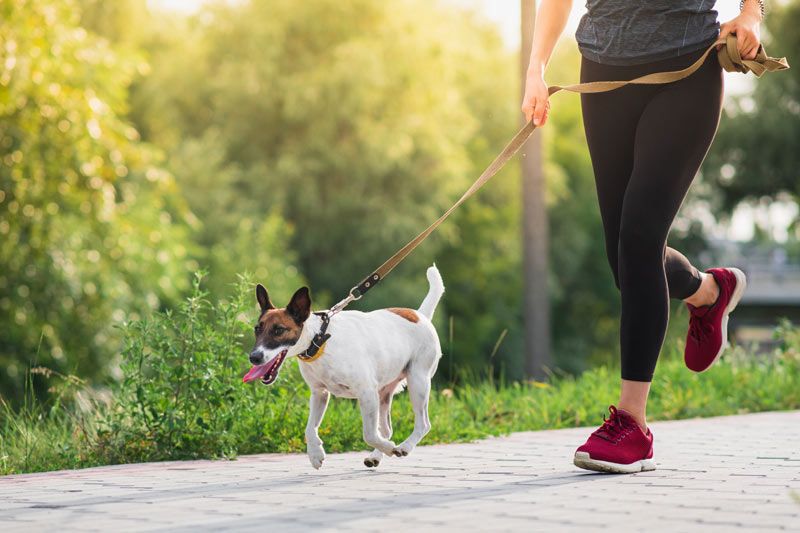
column 369, row 357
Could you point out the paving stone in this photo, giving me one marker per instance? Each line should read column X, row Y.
column 717, row 474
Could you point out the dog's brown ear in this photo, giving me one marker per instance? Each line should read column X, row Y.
column 263, row 298
column 300, row 305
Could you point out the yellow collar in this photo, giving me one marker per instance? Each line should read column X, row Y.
column 315, row 356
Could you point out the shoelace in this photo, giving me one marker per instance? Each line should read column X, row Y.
column 614, row 427
column 699, row 328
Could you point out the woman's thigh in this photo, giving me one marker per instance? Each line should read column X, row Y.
column 610, row 121
column 673, row 136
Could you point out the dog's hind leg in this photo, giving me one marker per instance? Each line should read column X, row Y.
column 370, row 407
column 384, row 426
column 419, row 390
column 317, row 406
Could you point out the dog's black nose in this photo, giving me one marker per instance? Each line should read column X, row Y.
column 255, row 358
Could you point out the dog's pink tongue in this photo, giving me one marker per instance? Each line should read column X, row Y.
column 255, row 373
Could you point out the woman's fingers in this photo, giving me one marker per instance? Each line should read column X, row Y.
column 536, row 109
column 527, row 109
column 744, row 40
column 535, row 103
column 747, row 40
column 724, row 30
column 540, row 112
column 749, row 48
column 528, row 102
column 748, row 43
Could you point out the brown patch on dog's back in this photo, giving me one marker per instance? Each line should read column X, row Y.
column 408, row 314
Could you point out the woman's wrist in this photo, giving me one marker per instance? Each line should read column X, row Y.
column 536, row 67
column 753, row 8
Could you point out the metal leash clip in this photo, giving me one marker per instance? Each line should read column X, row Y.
column 322, row 336
column 352, row 296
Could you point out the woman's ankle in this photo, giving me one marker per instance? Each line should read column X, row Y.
column 633, row 400
column 706, row 294
column 639, row 417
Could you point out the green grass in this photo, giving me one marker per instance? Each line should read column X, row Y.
column 182, row 398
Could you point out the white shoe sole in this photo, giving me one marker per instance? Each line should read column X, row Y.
column 582, row 460
column 741, row 285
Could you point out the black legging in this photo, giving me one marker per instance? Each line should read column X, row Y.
column 646, row 145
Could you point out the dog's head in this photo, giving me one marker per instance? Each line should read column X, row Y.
column 277, row 332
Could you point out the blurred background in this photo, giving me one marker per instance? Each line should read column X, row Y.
column 303, row 142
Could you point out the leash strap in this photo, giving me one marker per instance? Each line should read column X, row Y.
column 729, row 59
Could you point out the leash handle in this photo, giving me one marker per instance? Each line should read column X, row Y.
column 730, row 60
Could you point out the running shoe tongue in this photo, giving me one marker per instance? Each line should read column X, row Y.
column 257, row 371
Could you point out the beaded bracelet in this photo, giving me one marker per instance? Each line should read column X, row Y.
column 761, row 6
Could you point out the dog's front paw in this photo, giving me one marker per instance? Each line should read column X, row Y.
column 402, row 450
column 386, row 448
column 374, row 459
column 316, row 456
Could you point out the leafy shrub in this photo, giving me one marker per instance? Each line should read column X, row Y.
column 182, row 394
column 83, row 203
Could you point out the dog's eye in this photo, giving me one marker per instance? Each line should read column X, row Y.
column 257, row 329
column 278, row 330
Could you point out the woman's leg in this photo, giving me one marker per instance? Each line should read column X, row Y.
column 610, row 122
column 657, row 138
column 668, row 129
column 633, row 400
column 706, row 294
column 672, row 138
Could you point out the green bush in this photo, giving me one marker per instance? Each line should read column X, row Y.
column 92, row 230
column 182, row 395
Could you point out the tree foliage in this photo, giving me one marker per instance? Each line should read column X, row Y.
column 755, row 152
column 91, row 227
column 354, row 129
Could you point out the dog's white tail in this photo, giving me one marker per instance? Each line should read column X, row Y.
column 434, row 293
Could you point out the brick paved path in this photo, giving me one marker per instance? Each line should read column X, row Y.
column 715, row 474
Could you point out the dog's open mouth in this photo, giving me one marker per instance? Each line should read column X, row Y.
column 268, row 372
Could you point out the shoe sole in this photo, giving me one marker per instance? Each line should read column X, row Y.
column 741, row 285
column 583, row 460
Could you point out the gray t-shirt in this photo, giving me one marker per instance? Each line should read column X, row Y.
column 630, row 32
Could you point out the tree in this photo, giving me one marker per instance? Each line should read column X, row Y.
column 755, row 152
column 122, row 22
column 91, row 230
column 534, row 229
column 230, row 235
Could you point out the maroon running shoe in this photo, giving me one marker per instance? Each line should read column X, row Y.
column 619, row 446
column 708, row 324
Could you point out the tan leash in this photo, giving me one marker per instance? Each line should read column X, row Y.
column 729, row 59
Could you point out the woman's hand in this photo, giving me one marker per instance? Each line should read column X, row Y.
column 536, row 103
column 551, row 18
column 746, row 27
